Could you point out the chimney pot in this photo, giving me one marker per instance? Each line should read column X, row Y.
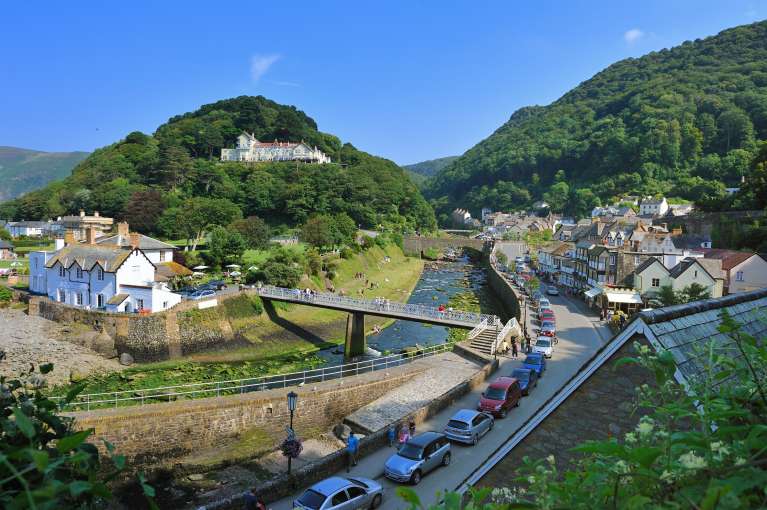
column 135, row 239
column 82, row 213
column 96, row 213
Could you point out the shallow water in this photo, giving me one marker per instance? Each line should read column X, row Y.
column 434, row 288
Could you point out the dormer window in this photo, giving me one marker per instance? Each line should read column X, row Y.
column 100, row 274
column 62, row 271
column 79, row 273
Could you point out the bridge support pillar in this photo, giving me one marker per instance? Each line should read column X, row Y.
column 355, row 335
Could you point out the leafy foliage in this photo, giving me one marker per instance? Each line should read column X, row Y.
column 180, row 162
column 683, row 122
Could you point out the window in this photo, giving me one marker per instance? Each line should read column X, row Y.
column 696, row 273
column 139, row 304
column 162, row 256
column 62, row 271
column 339, row 498
column 100, row 300
column 79, row 273
column 62, row 296
column 355, row 492
column 100, row 274
column 79, row 298
column 656, row 282
column 739, row 276
column 637, row 260
column 164, row 305
column 613, row 259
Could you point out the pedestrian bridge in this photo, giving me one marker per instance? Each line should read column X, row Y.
column 358, row 308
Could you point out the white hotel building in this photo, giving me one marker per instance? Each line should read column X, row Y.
column 250, row 149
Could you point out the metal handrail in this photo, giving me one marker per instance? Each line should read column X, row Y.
column 479, row 328
column 502, row 334
column 373, row 306
column 261, row 383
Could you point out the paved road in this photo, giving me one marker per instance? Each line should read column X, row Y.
column 512, row 249
column 579, row 337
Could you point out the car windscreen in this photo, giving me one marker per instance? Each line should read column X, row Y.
column 532, row 360
column 495, row 394
column 359, row 482
column 311, row 499
column 543, row 343
column 522, row 375
column 460, row 425
column 410, row 451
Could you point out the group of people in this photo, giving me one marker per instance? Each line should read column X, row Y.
column 381, row 303
column 400, row 433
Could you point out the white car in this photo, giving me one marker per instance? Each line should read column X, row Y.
column 544, row 346
column 544, row 303
column 202, row 294
column 552, row 291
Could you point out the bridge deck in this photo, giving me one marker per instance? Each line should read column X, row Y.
column 383, row 308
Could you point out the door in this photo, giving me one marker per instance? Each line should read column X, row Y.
column 483, row 424
column 430, row 459
column 358, row 498
column 339, row 501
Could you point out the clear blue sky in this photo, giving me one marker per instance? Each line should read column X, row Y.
column 407, row 80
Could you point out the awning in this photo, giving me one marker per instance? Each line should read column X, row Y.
column 624, row 297
column 592, row 293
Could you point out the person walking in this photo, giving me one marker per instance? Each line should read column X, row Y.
column 411, row 427
column 514, row 351
column 352, row 447
column 391, row 435
column 404, row 435
column 253, row 501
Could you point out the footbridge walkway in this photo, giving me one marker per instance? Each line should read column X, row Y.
column 358, row 308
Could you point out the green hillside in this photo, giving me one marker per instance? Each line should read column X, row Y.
column 23, row 170
column 430, row 167
column 685, row 122
column 154, row 181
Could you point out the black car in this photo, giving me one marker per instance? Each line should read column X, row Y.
column 528, row 379
column 216, row 285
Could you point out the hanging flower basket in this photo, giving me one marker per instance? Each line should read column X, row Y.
column 291, row 448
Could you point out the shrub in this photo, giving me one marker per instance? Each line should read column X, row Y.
column 258, row 306
column 5, row 294
column 347, row 253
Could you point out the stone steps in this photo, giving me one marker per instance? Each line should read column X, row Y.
column 484, row 341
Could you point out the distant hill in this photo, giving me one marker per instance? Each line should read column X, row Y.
column 431, row 167
column 685, row 122
column 23, row 170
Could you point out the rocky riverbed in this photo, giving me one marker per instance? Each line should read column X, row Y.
column 29, row 340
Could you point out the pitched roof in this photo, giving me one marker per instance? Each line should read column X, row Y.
column 5, row 245
column 145, row 242
column 167, row 270
column 110, row 258
column 729, row 258
column 647, row 263
column 117, row 299
column 712, row 267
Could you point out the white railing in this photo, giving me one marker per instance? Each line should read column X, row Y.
column 502, row 334
column 236, row 386
column 479, row 328
column 375, row 306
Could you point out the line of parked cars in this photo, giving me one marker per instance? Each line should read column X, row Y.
column 203, row 291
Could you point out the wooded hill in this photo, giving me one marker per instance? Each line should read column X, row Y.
column 684, row 122
column 151, row 180
column 23, row 170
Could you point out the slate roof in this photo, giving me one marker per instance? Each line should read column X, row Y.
column 145, row 242
column 729, row 258
column 167, row 270
column 5, row 245
column 110, row 258
column 647, row 263
column 117, row 299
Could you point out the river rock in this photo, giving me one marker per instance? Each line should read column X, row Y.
column 126, row 359
column 342, row 431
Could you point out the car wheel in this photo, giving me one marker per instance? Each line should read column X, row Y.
column 376, row 502
column 475, row 440
column 517, row 404
column 416, row 478
column 446, row 459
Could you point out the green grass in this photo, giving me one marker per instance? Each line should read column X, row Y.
column 7, row 263
column 23, row 250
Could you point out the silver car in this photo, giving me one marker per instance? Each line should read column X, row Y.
column 338, row 493
column 417, row 457
column 468, row 425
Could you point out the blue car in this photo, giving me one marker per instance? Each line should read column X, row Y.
column 535, row 362
column 528, row 379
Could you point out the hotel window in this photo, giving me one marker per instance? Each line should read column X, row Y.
column 100, row 300
column 739, row 276
column 79, row 298
column 139, row 304
column 79, row 273
column 637, row 260
column 62, row 271
column 162, row 256
column 62, row 296
column 100, row 274
column 656, row 282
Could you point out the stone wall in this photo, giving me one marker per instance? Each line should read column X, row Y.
column 600, row 408
column 504, row 292
column 158, row 432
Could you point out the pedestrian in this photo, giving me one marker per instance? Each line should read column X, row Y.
column 514, row 351
column 404, row 435
column 411, row 426
column 391, row 435
column 623, row 320
column 253, row 501
column 352, row 446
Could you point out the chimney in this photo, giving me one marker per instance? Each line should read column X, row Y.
column 135, row 239
column 90, row 235
column 96, row 213
column 82, row 213
column 69, row 238
column 123, row 229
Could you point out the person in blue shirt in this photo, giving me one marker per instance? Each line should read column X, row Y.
column 352, row 448
column 391, row 435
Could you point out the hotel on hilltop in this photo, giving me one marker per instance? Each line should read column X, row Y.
column 250, row 149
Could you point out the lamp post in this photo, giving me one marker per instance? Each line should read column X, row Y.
column 292, row 401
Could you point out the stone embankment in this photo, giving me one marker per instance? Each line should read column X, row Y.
column 34, row 340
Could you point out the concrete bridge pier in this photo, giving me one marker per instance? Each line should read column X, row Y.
column 355, row 335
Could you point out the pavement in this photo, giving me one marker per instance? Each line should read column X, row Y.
column 580, row 336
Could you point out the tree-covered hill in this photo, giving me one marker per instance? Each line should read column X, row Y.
column 430, row 167
column 23, row 170
column 685, row 122
column 150, row 179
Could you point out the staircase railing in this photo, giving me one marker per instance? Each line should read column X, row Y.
column 479, row 328
column 502, row 334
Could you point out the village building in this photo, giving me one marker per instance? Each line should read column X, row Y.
column 652, row 274
column 30, row 228
column 651, row 206
column 251, row 149
column 81, row 223
column 743, row 271
column 6, row 250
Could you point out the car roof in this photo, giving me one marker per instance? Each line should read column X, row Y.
column 465, row 415
column 502, row 382
column 520, row 369
column 330, row 485
column 544, row 337
column 535, row 355
column 425, row 438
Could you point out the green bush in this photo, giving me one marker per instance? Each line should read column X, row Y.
column 5, row 294
column 347, row 253
column 258, row 306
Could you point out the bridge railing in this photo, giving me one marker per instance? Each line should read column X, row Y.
column 479, row 328
column 373, row 306
column 114, row 399
column 502, row 334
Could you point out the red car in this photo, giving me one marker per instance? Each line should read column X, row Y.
column 546, row 315
column 500, row 396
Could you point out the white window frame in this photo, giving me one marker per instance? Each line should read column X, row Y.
column 100, row 274
column 139, row 304
column 655, row 282
column 79, row 298
column 79, row 273
column 739, row 276
column 62, row 271
column 100, row 300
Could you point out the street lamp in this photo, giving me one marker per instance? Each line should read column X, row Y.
column 292, row 401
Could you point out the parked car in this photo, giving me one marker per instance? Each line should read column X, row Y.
column 202, row 294
column 544, row 345
column 341, row 493
column 536, row 362
column 216, row 284
column 546, row 315
column 467, row 426
column 536, row 296
column 548, row 328
column 528, row 379
column 552, row 290
column 519, row 260
column 417, row 457
column 500, row 396
column 527, row 258
column 544, row 303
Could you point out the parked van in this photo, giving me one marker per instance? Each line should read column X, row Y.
column 500, row 396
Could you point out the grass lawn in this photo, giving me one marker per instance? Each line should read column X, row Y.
column 23, row 250
column 7, row 263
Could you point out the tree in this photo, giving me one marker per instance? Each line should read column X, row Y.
column 557, row 196
column 693, row 292
column 255, row 231
column 195, row 215
column 143, row 210
column 318, row 231
column 225, row 246
column 667, row 296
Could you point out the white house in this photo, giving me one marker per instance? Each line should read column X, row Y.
column 743, row 271
column 651, row 275
column 106, row 277
column 29, row 228
column 155, row 250
column 250, row 149
column 651, row 206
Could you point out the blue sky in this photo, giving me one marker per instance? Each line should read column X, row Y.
column 407, row 80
